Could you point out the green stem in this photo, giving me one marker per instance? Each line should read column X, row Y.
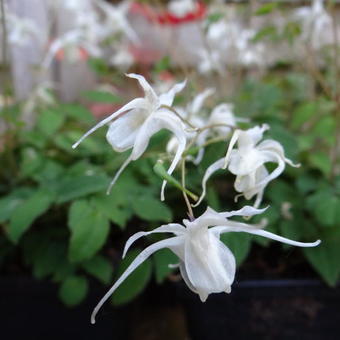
column 186, row 199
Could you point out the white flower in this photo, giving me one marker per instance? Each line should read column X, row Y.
column 71, row 42
column 132, row 126
column 206, row 264
column 219, row 123
column 181, row 8
column 116, row 19
column 122, row 59
column 21, row 31
column 316, row 23
column 191, row 113
column 247, row 163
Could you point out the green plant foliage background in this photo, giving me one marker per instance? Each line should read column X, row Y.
column 54, row 211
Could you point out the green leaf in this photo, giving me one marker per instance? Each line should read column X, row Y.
column 325, row 206
column 267, row 32
column 303, row 114
column 113, row 208
column 151, row 209
column 325, row 259
column 89, row 230
column 99, row 66
column 49, row 122
column 266, row 9
column 214, row 17
column 162, row 259
column 100, row 268
column 306, row 183
column 75, row 187
column 9, row 203
column 136, row 281
column 78, row 112
column 239, row 244
column 31, row 161
column 102, row 97
column 291, row 229
column 25, row 214
column 73, row 290
column 321, row 161
column 162, row 65
column 48, row 258
column 286, row 138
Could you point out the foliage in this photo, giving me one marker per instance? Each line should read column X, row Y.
column 55, row 213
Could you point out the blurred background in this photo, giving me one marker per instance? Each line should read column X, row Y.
column 62, row 66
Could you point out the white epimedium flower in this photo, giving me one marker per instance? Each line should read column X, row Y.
column 247, row 162
column 206, row 264
column 219, row 124
column 191, row 114
column 132, row 126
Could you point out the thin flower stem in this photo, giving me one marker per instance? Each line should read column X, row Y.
column 211, row 126
column 179, row 116
column 186, row 199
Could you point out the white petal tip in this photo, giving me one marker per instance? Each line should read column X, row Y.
column 93, row 320
column 75, row 145
column 316, row 243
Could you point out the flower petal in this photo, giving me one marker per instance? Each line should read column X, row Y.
column 233, row 140
column 272, row 157
column 123, row 131
column 150, row 126
column 245, row 211
column 210, row 265
column 255, row 134
column 185, row 277
column 138, row 103
column 199, row 100
column 168, row 97
column 174, row 228
column 255, row 231
column 170, row 243
column 210, row 170
column 173, row 124
column 274, row 146
column 244, row 161
column 150, row 94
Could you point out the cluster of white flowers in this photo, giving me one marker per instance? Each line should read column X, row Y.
column 206, row 264
column 94, row 22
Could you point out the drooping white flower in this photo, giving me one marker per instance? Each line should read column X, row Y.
column 71, row 43
column 316, row 23
column 247, row 162
column 206, row 264
column 132, row 126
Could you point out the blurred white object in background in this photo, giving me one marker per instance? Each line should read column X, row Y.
column 316, row 24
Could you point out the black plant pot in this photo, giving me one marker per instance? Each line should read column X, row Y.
column 267, row 309
column 31, row 310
